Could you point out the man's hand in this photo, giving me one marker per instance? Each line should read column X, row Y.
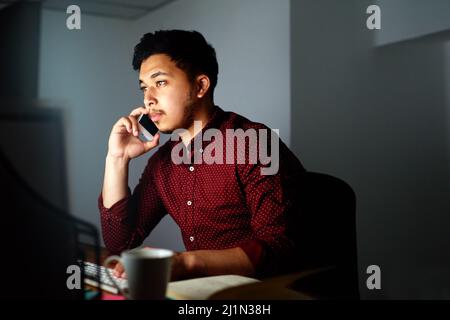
column 201, row 263
column 184, row 265
column 119, row 271
column 123, row 140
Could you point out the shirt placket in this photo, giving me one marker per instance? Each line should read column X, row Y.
column 192, row 174
column 191, row 180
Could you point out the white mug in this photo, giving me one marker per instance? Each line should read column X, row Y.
column 148, row 272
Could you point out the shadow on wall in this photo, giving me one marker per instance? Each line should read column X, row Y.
column 375, row 117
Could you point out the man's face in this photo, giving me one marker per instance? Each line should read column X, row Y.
column 168, row 93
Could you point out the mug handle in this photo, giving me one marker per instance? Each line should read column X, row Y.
column 123, row 291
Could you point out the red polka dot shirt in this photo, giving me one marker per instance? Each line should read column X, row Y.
column 216, row 206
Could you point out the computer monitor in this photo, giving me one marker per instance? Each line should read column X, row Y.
column 33, row 140
column 40, row 238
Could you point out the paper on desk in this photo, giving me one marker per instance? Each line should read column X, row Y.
column 203, row 288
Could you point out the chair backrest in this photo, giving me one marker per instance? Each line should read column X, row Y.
column 324, row 231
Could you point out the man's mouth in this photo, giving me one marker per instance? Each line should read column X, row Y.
column 156, row 116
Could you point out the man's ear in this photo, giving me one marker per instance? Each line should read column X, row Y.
column 203, row 84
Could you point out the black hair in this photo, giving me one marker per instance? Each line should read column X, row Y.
column 188, row 49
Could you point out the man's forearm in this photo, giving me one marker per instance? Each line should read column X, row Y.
column 213, row 262
column 115, row 184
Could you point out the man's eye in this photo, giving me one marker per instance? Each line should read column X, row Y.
column 161, row 83
column 142, row 88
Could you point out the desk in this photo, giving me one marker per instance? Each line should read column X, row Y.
column 226, row 287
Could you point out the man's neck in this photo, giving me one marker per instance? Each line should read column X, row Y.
column 202, row 114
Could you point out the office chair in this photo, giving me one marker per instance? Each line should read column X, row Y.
column 324, row 232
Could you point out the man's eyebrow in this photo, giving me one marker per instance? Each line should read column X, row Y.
column 156, row 74
column 159, row 73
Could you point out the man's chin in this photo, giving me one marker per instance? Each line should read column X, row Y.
column 165, row 130
column 170, row 129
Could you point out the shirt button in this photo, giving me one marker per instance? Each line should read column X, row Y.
column 200, row 150
column 191, row 238
column 191, row 168
column 189, row 203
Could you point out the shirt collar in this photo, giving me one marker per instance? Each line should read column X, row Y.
column 214, row 121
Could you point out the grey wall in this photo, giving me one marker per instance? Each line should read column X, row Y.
column 88, row 74
column 376, row 117
column 408, row 19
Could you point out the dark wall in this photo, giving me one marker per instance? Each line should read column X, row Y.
column 375, row 117
column 19, row 54
column 30, row 136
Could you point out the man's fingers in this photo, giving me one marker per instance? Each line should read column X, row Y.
column 130, row 123
column 125, row 122
column 118, row 270
column 151, row 144
column 134, row 124
column 138, row 111
column 118, row 267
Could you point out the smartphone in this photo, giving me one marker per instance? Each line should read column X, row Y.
column 147, row 129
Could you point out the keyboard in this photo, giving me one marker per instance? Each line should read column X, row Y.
column 91, row 272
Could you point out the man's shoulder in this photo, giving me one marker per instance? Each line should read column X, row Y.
column 234, row 120
column 288, row 159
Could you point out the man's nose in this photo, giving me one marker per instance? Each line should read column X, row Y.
column 149, row 100
column 148, row 104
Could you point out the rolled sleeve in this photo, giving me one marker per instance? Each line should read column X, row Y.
column 254, row 249
column 130, row 220
column 117, row 210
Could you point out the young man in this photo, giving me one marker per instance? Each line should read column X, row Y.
column 233, row 218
